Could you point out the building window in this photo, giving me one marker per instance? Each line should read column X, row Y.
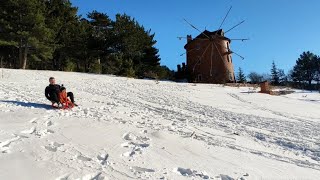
column 228, row 58
column 228, row 47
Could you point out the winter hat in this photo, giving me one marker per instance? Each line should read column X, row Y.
column 62, row 88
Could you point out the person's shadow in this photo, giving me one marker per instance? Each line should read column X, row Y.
column 29, row 104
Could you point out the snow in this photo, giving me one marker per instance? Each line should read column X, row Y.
column 140, row 129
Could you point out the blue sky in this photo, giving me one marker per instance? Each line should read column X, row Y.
column 279, row 30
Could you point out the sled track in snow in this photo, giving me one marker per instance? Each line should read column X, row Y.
column 293, row 136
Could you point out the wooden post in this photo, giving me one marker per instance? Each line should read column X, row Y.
column 265, row 88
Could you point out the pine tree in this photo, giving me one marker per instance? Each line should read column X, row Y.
column 7, row 43
column 317, row 76
column 305, row 68
column 79, row 47
column 62, row 18
column 282, row 77
column 274, row 74
column 24, row 24
column 50, row 35
column 137, row 44
column 240, row 76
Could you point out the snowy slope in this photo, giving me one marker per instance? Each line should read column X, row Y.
column 139, row 129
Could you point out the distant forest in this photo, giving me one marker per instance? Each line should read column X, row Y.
column 50, row 35
column 305, row 74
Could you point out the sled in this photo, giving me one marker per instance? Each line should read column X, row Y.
column 65, row 102
column 64, row 106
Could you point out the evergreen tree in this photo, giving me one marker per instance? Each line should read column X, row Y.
column 113, row 64
column 163, row 72
column 7, row 43
column 255, row 77
column 240, row 76
column 50, row 35
column 102, row 37
column 317, row 76
column 283, row 79
column 137, row 44
column 305, row 68
column 26, row 29
column 62, row 18
column 274, row 74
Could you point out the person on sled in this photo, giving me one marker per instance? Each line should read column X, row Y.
column 52, row 93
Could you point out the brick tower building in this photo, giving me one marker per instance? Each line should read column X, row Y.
column 209, row 58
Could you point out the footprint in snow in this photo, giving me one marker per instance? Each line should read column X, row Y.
column 103, row 159
column 53, row 147
column 48, row 123
column 129, row 136
column 137, row 144
column 33, row 120
column 44, row 132
column 63, row 177
column 83, row 158
column 30, row 131
column 225, row 177
column 93, row 176
column 5, row 145
column 142, row 170
column 191, row 173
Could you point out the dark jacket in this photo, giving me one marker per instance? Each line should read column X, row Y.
column 52, row 90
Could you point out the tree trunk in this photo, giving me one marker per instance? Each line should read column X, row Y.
column 25, row 57
column 309, row 82
column 85, row 65
column 59, row 64
column 78, row 66
column 1, row 58
column 54, row 63
column 20, row 53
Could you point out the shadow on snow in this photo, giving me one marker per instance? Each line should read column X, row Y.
column 29, row 104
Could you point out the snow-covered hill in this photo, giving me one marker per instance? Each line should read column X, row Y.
column 139, row 129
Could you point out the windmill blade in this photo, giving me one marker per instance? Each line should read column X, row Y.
column 217, row 49
column 193, row 48
column 183, row 54
column 180, row 38
column 234, row 26
column 211, row 61
column 201, row 57
column 196, row 28
column 228, row 50
column 205, row 51
column 238, row 55
column 247, row 39
column 225, row 17
column 188, row 51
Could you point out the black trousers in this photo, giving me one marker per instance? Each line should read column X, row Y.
column 55, row 98
column 70, row 95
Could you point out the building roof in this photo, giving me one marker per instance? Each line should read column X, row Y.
column 206, row 33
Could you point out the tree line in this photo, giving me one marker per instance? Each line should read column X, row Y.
column 49, row 35
column 305, row 73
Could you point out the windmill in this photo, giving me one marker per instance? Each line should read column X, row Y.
column 208, row 55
